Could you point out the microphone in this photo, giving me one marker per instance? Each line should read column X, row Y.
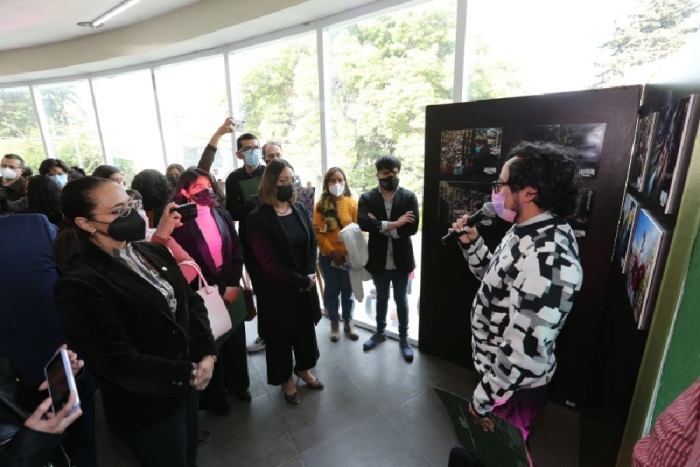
column 487, row 210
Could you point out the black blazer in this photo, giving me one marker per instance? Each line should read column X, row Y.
column 141, row 353
column 192, row 241
column 281, row 276
column 372, row 202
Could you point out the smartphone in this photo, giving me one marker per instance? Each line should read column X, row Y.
column 187, row 211
column 238, row 126
column 61, row 382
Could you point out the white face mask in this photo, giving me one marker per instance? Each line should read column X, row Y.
column 8, row 173
column 337, row 190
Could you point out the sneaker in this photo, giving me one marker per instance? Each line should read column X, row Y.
column 335, row 334
column 372, row 342
column 256, row 346
column 406, row 350
column 350, row 330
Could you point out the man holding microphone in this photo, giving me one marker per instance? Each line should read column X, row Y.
column 528, row 284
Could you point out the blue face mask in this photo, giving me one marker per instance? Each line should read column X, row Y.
column 252, row 157
column 62, row 180
column 477, row 149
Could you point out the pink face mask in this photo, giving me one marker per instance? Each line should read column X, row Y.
column 498, row 200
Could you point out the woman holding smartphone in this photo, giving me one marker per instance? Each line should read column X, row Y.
column 284, row 245
column 335, row 210
column 144, row 332
column 212, row 242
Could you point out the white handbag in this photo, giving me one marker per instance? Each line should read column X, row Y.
column 219, row 319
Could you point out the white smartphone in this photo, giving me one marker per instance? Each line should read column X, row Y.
column 61, row 382
column 238, row 126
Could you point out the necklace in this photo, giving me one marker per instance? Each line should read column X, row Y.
column 283, row 211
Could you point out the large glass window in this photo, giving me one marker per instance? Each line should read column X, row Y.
column 384, row 71
column 546, row 46
column 19, row 130
column 276, row 92
column 193, row 103
column 127, row 111
column 72, row 128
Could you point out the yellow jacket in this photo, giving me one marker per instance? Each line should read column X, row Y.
column 328, row 241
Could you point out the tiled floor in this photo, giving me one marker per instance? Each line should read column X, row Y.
column 376, row 410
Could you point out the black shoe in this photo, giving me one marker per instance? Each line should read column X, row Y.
column 406, row 350
column 372, row 342
column 245, row 396
column 202, row 437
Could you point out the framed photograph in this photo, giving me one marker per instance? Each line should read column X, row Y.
column 306, row 195
column 642, row 149
column 630, row 208
column 643, row 261
column 580, row 220
column 472, row 151
column 460, row 198
column 586, row 138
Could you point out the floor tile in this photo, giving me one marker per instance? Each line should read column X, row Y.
column 296, row 462
column 251, row 436
column 425, row 423
column 373, row 443
column 543, row 460
column 324, row 414
column 557, row 435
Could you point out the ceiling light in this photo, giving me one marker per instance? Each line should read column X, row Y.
column 104, row 17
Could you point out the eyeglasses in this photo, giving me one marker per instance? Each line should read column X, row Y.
column 285, row 182
column 498, row 185
column 5, row 166
column 119, row 212
column 245, row 150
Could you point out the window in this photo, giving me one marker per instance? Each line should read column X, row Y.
column 19, row 130
column 275, row 88
column 127, row 111
column 193, row 103
column 72, row 128
column 384, row 71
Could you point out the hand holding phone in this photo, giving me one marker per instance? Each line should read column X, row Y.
column 187, row 211
column 237, row 125
column 61, row 382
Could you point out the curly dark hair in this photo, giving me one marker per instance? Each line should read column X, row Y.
column 154, row 187
column 44, row 197
column 550, row 169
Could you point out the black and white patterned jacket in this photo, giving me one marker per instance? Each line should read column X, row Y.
column 527, row 290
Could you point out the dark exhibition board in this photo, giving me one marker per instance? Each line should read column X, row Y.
column 601, row 124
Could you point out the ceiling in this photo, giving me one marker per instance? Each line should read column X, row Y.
column 25, row 23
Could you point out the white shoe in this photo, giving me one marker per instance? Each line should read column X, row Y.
column 256, row 346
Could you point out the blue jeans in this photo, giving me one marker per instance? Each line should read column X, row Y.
column 382, row 282
column 336, row 282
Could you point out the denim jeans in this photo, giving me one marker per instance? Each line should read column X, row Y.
column 336, row 283
column 382, row 282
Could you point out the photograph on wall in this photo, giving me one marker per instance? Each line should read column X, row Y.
column 675, row 167
column 472, row 151
column 643, row 260
column 667, row 155
column 642, row 150
column 630, row 208
column 586, row 138
column 580, row 220
column 460, row 198
column 306, row 197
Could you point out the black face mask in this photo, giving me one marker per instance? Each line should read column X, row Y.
column 203, row 198
column 130, row 228
column 285, row 192
column 391, row 183
column 173, row 179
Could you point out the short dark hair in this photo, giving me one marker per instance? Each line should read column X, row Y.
column 106, row 171
column 48, row 164
column 76, row 201
column 267, row 194
column 175, row 166
column 550, row 169
column 154, row 187
column 244, row 137
column 15, row 157
column 388, row 162
column 187, row 179
column 28, row 172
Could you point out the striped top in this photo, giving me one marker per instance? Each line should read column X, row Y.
column 674, row 440
column 140, row 266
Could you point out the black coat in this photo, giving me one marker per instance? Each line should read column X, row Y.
column 280, row 275
column 190, row 238
column 141, row 353
column 372, row 202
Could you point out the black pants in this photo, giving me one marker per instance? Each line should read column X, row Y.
column 299, row 341
column 172, row 442
column 230, row 372
column 80, row 440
